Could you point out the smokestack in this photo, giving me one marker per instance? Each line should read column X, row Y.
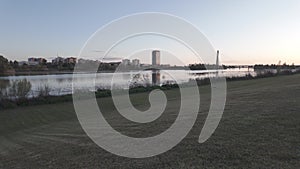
column 217, row 61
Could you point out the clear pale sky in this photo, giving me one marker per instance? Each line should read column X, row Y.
column 245, row 31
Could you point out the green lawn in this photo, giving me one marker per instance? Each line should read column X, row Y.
column 260, row 128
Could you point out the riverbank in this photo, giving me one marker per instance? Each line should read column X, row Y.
column 46, row 98
column 30, row 73
column 259, row 129
column 61, row 72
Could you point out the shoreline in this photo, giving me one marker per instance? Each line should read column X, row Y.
column 100, row 93
column 39, row 73
column 50, row 73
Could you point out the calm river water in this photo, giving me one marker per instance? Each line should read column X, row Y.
column 62, row 84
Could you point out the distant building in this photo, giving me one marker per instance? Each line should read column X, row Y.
column 113, row 64
column 125, row 62
column 156, row 57
column 165, row 65
column 58, row 60
column 36, row 61
column 70, row 60
column 145, row 65
column 136, row 62
column 82, row 61
column 21, row 63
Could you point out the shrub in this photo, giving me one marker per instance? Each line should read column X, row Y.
column 44, row 91
column 19, row 88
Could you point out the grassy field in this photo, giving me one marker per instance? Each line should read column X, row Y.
column 260, row 128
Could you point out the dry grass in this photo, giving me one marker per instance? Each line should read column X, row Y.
column 260, row 129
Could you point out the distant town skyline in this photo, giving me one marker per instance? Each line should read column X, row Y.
column 245, row 32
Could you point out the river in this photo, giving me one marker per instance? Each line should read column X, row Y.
column 62, row 84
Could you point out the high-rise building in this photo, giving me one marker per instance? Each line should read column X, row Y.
column 156, row 57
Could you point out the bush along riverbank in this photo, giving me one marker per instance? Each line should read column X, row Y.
column 6, row 103
column 19, row 89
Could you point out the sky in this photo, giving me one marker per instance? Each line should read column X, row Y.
column 245, row 31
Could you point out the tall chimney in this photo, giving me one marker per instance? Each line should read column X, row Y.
column 217, row 61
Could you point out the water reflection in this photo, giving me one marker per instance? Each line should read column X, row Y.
column 62, row 84
column 4, row 85
column 155, row 77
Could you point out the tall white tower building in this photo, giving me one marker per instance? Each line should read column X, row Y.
column 156, row 57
